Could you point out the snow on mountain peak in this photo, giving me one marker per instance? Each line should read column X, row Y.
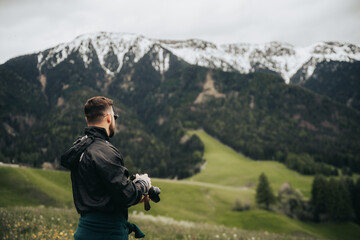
column 325, row 51
column 279, row 57
column 103, row 44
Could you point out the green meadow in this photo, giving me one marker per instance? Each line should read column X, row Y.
column 196, row 208
column 225, row 166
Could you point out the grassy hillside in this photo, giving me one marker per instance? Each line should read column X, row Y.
column 225, row 166
column 33, row 187
column 180, row 200
column 206, row 198
column 211, row 204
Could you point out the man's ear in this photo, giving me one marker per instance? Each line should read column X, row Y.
column 108, row 118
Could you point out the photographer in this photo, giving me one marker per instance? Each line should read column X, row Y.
column 101, row 189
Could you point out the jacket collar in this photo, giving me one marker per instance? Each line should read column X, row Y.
column 97, row 132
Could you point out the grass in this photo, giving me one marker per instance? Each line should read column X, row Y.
column 208, row 205
column 225, row 166
column 27, row 223
column 158, row 227
column 211, row 204
column 196, row 208
column 41, row 223
column 59, row 223
column 33, row 187
column 185, row 200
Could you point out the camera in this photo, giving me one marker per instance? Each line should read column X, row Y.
column 154, row 194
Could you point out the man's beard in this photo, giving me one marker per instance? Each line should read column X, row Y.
column 112, row 130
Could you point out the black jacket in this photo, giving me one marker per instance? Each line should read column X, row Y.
column 99, row 179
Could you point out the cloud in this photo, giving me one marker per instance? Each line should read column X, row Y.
column 32, row 25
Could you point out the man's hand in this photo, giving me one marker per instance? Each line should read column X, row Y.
column 144, row 181
column 145, row 177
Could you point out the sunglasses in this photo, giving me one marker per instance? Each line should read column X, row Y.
column 115, row 116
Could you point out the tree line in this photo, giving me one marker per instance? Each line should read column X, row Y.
column 335, row 200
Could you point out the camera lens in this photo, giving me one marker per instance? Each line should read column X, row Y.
column 154, row 194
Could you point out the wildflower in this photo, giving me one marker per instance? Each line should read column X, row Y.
column 34, row 236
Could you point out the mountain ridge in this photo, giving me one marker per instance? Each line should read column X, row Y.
column 282, row 58
column 160, row 95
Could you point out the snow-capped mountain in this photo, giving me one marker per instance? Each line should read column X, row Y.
column 158, row 95
column 113, row 50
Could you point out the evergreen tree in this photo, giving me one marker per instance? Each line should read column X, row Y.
column 350, row 185
column 338, row 203
column 356, row 195
column 346, row 206
column 331, row 199
column 264, row 193
column 319, row 197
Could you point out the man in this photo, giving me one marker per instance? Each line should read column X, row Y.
column 101, row 189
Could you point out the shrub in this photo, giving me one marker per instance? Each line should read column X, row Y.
column 239, row 206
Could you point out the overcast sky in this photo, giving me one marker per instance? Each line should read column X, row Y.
column 28, row 26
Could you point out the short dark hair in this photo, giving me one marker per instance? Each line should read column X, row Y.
column 95, row 108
